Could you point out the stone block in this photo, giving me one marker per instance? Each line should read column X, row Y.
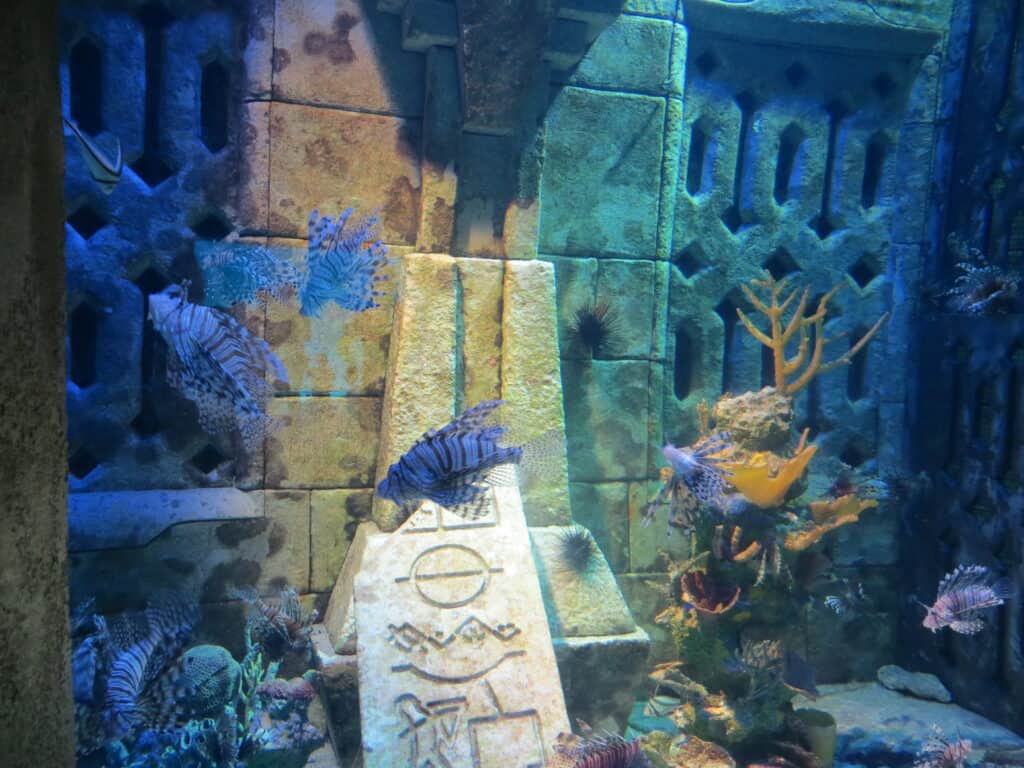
column 874, row 540
column 324, row 442
column 601, row 174
column 123, row 519
column 288, row 539
column 259, row 49
column 575, row 283
column 428, row 23
column 670, row 175
column 578, row 603
column 253, row 192
column 647, row 595
column 631, row 54
column 339, row 687
column 481, row 282
column 331, row 160
column 530, row 380
column 338, row 352
column 602, row 508
column 923, row 101
column 606, row 404
column 441, row 129
column 620, row 284
column 420, row 387
column 344, row 53
column 451, row 611
column 913, row 168
column 486, row 189
column 647, row 543
column 663, row 9
column 567, row 42
column 340, row 618
column 334, row 518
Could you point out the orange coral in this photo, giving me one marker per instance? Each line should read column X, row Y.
column 827, row 516
column 780, row 334
column 755, row 479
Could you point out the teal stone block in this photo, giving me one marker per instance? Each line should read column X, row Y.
column 641, row 722
column 663, row 9
column 603, row 510
column 677, row 60
column 575, row 284
column 632, row 54
column 602, row 174
column 624, row 286
column 606, row 413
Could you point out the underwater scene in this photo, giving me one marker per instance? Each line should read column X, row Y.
column 526, row 383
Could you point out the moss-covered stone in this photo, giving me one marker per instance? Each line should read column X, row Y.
column 602, row 508
column 481, row 285
column 648, row 542
column 630, row 55
column 619, row 283
column 334, row 516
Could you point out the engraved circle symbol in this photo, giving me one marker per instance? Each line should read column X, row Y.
column 449, row 575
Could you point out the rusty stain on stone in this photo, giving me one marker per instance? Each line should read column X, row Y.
column 277, row 539
column 225, row 577
column 400, row 210
column 337, row 46
column 441, row 219
column 281, row 59
column 278, row 331
column 235, row 532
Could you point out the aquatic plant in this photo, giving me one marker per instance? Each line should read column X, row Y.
column 594, row 326
column 795, row 373
column 764, row 479
column 577, row 548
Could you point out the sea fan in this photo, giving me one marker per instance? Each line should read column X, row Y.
column 595, row 327
column 577, row 548
column 343, row 264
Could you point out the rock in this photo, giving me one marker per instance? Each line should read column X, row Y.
column 758, row 421
column 453, row 643
column 334, row 516
column 687, row 750
column 920, row 684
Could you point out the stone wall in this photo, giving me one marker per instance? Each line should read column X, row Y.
column 35, row 689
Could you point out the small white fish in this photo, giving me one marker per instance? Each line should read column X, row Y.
column 104, row 171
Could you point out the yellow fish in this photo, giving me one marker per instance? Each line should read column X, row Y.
column 104, row 171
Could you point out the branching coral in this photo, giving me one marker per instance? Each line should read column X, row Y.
column 827, row 516
column 795, row 373
column 764, row 484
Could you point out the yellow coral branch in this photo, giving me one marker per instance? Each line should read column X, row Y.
column 761, row 337
column 755, row 480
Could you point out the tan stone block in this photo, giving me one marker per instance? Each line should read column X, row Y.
column 441, row 115
column 259, row 48
column 287, row 561
column 531, row 380
column 344, row 53
column 323, row 442
column 332, row 160
column 420, row 390
column 482, row 284
column 340, row 618
column 254, row 182
column 334, row 516
column 338, row 352
column 522, row 228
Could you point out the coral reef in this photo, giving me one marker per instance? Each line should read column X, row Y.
column 765, row 479
column 761, row 421
column 826, row 516
column 795, row 373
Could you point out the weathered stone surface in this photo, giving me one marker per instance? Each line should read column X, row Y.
column 331, row 160
column 575, row 283
column 664, row 9
column 647, row 595
column 334, row 518
column 481, row 282
column 253, row 192
column 134, row 518
column 439, row 153
column 602, row 508
column 344, row 53
column 578, row 603
column 630, row 55
column 428, row 23
column 324, row 442
column 451, row 610
column 595, row 201
column 337, row 352
column 876, row 722
column 758, row 421
column 606, row 418
column 648, row 542
column 340, row 618
column 259, row 49
column 530, row 381
column 420, row 387
column 619, row 282
column 339, row 686
column 920, row 684
column 487, row 182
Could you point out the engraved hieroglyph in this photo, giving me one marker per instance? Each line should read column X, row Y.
column 456, row 665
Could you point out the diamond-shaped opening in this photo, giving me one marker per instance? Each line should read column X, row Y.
column 707, row 63
column 732, row 218
column 151, row 281
column 208, row 459
column 821, row 226
column 85, row 92
column 796, row 74
column 83, row 327
column 883, row 84
column 213, row 106
column 864, row 270
column 81, row 463
column 691, row 260
column 212, row 226
column 780, row 264
column 147, row 423
column 152, row 169
column 86, row 221
column 853, row 456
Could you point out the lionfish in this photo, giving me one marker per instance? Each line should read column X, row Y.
column 962, row 595
column 453, row 466
column 599, row 751
column 343, row 264
column 695, row 474
column 982, row 289
column 939, row 752
column 282, row 617
column 245, row 273
column 217, row 364
column 848, row 601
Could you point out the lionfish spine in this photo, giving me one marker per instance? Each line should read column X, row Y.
column 606, row 752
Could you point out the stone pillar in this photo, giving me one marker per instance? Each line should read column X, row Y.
column 35, row 694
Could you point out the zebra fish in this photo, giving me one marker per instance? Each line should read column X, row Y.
column 217, row 364
column 454, row 465
column 962, row 595
column 343, row 264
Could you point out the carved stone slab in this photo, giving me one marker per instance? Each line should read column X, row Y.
column 456, row 665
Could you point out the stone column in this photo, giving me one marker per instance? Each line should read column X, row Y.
column 35, row 697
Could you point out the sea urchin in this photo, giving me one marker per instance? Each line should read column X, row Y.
column 594, row 327
column 577, row 548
